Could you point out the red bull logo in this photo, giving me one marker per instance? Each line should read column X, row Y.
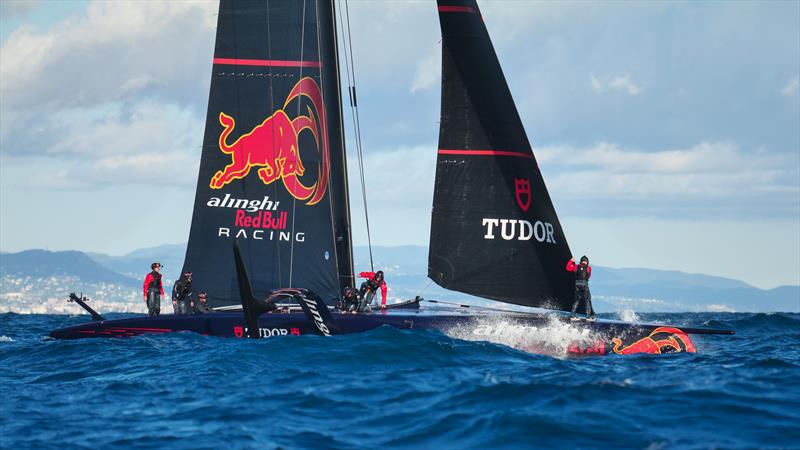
column 273, row 147
column 661, row 340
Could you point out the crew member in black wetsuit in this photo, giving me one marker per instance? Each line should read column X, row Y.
column 182, row 295
column 583, row 272
column 153, row 290
column 369, row 288
column 350, row 300
column 201, row 305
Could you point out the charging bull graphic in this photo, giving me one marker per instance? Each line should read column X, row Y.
column 661, row 340
column 273, row 147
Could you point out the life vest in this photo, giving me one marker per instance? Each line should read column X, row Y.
column 373, row 285
column 156, row 282
column 581, row 273
column 182, row 290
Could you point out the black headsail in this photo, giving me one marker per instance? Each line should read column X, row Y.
column 272, row 173
column 494, row 231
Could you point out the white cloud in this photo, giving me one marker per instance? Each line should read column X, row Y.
column 88, row 59
column 160, row 169
column 118, row 53
column 709, row 178
column 791, row 88
column 144, row 143
column 622, row 83
column 429, row 71
column 399, row 193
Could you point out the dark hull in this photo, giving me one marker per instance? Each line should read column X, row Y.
column 609, row 336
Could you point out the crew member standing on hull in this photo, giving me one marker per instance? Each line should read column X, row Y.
column 182, row 295
column 153, row 290
column 583, row 272
column 370, row 287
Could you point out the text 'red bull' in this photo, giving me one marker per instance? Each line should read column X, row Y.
column 273, row 147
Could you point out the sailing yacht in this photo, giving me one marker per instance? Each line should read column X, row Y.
column 271, row 220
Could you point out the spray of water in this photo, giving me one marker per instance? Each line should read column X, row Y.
column 628, row 315
column 554, row 337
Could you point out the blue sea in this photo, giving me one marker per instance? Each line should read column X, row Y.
column 396, row 389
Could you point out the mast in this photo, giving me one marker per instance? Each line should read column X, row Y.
column 342, row 228
column 272, row 169
column 494, row 230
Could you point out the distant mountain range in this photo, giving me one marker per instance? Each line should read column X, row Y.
column 406, row 268
column 47, row 264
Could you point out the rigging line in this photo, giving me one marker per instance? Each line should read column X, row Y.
column 357, row 126
column 419, row 294
column 294, row 199
column 277, row 250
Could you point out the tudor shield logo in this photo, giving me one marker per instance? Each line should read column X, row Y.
column 522, row 189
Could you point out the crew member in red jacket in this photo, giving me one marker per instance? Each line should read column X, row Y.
column 583, row 272
column 153, row 290
column 370, row 287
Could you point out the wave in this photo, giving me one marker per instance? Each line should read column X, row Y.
column 474, row 386
column 764, row 321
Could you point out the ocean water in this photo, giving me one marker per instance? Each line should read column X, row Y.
column 396, row 389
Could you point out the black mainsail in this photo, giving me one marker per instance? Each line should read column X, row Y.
column 272, row 171
column 494, row 230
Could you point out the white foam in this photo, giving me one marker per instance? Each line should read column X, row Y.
column 628, row 315
column 551, row 338
column 6, row 339
column 719, row 308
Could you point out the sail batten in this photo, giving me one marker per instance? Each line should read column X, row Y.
column 494, row 230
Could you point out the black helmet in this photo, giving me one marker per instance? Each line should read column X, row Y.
column 154, row 265
column 187, row 274
column 379, row 275
column 585, row 258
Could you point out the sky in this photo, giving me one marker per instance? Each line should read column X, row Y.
column 668, row 133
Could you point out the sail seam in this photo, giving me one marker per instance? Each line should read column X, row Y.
column 459, row 9
column 485, row 153
column 267, row 62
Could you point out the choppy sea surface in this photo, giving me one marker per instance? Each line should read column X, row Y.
column 396, row 389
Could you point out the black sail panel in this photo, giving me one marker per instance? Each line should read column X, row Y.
column 272, row 171
column 494, row 230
